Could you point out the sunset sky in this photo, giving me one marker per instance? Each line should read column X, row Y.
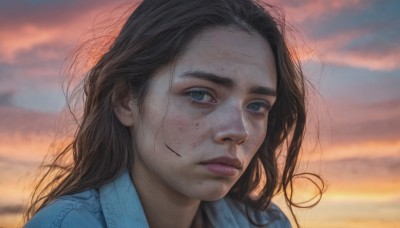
column 350, row 51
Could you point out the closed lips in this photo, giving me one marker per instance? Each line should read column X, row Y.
column 225, row 161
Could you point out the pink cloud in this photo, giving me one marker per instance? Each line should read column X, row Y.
column 312, row 17
column 50, row 25
column 332, row 49
column 23, row 38
column 345, row 123
column 36, row 39
column 25, row 122
column 26, row 136
column 371, row 61
column 298, row 12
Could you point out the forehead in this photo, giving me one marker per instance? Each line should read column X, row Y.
column 230, row 52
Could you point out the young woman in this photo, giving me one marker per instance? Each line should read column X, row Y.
column 184, row 119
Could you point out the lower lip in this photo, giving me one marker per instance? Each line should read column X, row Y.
column 221, row 170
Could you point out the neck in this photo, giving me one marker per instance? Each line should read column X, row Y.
column 163, row 206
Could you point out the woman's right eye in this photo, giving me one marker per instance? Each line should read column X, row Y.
column 200, row 96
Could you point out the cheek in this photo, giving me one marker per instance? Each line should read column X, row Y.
column 184, row 133
column 256, row 138
column 260, row 137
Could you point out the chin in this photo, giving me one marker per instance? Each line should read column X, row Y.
column 212, row 194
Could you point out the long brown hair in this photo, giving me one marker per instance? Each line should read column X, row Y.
column 155, row 35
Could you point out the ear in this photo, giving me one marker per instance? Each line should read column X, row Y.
column 125, row 108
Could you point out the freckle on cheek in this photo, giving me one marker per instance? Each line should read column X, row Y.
column 194, row 145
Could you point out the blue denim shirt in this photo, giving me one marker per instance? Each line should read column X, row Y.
column 117, row 204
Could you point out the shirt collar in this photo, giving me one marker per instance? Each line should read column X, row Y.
column 121, row 204
column 122, row 207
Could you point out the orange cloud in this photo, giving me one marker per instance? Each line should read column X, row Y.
column 24, row 148
column 367, row 149
column 364, row 191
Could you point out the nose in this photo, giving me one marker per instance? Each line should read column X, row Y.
column 231, row 128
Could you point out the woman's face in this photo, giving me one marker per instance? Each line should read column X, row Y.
column 205, row 116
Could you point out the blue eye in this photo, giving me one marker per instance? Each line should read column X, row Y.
column 200, row 96
column 197, row 95
column 260, row 107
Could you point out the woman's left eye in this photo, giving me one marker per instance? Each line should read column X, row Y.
column 259, row 107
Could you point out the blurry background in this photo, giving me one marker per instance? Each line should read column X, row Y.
column 350, row 49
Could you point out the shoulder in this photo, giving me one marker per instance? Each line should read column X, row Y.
column 243, row 215
column 78, row 210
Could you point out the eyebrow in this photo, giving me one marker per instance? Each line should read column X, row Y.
column 227, row 82
column 263, row 90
